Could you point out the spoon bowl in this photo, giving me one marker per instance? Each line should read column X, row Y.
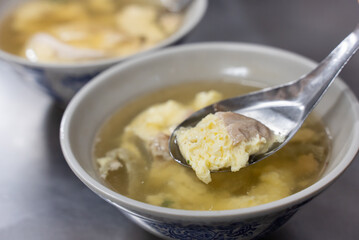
column 282, row 116
column 283, row 108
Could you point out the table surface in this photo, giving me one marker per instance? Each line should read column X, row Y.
column 40, row 197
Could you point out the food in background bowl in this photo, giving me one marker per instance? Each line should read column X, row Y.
column 141, row 167
column 61, row 80
column 83, row 30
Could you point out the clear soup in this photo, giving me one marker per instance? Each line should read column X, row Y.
column 142, row 174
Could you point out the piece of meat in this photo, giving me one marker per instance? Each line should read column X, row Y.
column 159, row 147
column 242, row 128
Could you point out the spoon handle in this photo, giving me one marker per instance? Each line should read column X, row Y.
column 175, row 5
column 314, row 84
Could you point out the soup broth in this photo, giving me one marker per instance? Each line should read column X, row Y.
column 155, row 179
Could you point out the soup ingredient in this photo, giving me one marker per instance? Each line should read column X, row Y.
column 136, row 138
column 151, row 128
column 83, row 30
column 223, row 140
column 109, row 163
column 44, row 47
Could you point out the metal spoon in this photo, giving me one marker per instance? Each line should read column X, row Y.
column 282, row 108
column 175, row 5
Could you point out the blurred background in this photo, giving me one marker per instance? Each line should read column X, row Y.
column 40, row 197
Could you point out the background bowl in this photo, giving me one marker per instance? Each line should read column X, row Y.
column 244, row 63
column 62, row 81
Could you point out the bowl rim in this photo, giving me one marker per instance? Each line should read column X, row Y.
column 142, row 207
column 201, row 6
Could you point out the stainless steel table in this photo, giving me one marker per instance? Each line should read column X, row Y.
column 40, row 198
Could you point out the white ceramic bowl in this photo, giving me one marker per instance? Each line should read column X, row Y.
column 62, row 81
column 236, row 62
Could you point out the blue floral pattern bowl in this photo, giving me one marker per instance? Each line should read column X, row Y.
column 210, row 62
column 236, row 228
column 62, row 81
column 60, row 85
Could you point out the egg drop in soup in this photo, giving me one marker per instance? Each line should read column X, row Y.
column 132, row 157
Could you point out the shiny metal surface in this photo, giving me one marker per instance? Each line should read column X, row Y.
column 42, row 199
column 175, row 5
column 282, row 109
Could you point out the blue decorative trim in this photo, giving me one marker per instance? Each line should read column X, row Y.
column 61, row 86
column 282, row 218
column 76, row 82
column 205, row 232
column 249, row 229
column 37, row 76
